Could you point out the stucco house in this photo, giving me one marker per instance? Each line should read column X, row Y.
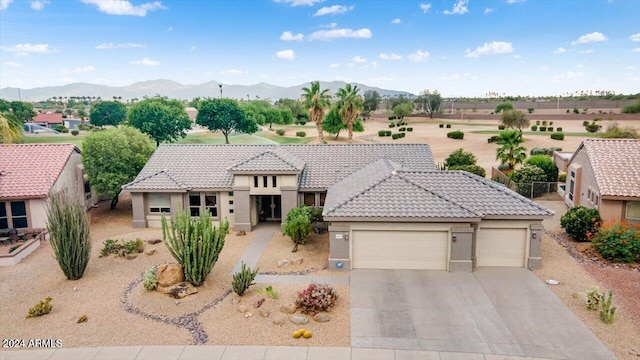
column 605, row 174
column 387, row 205
column 48, row 119
column 29, row 173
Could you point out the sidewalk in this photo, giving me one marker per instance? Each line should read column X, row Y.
column 178, row 352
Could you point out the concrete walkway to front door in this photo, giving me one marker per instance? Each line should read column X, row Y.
column 499, row 311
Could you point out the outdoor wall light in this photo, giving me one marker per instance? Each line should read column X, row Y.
column 454, row 238
column 533, row 235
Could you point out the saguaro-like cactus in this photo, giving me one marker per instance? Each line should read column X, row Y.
column 195, row 244
column 243, row 279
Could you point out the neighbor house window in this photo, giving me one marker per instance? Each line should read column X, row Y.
column 633, row 211
column 255, row 181
column 264, row 181
column 323, row 196
column 211, row 204
column 19, row 214
column 159, row 203
column 572, row 185
column 4, row 222
column 274, row 181
column 310, row 199
column 194, row 204
column 230, row 193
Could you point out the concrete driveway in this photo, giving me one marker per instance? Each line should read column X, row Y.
column 502, row 311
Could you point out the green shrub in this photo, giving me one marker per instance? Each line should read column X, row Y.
column 616, row 132
column 392, row 117
column 593, row 127
column 69, row 233
column 474, row 169
column 403, row 134
column 268, row 291
column 559, row 129
column 280, row 132
column 568, row 111
column 534, row 128
column 631, row 109
column 544, row 151
column 194, row 243
column 388, row 133
column 493, row 139
column 243, row 279
column 562, row 177
column 75, row 132
column 557, row 136
column 402, row 129
column 441, row 125
column 150, row 278
column 297, row 225
column 60, row 128
column 460, row 158
column 543, row 128
column 585, row 123
column 550, row 122
column 41, row 308
column 593, row 297
column 544, row 122
column 382, row 133
column 455, row 135
column 395, row 136
column 545, row 163
column 121, row 247
column 581, row 223
column 14, row 247
column 409, row 129
column 316, row 298
column 550, row 129
column 501, row 127
column 576, row 111
column 530, row 110
column 301, row 134
column 448, row 126
column 619, row 242
column 606, row 311
column 530, row 181
column 392, row 125
column 537, row 122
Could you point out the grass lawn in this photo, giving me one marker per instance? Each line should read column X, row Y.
column 283, row 139
column 217, row 138
column 543, row 133
column 54, row 139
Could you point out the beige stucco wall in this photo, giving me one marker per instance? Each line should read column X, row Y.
column 68, row 179
column 611, row 210
column 37, row 212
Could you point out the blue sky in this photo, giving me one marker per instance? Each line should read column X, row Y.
column 459, row 47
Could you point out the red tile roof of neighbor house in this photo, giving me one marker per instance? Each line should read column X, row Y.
column 48, row 118
column 30, row 170
column 616, row 165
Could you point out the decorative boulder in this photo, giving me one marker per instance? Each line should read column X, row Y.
column 170, row 274
column 289, row 308
column 321, row 317
column 154, row 241
column 149, row 251
column 282, row 263
column 300, row 320
column 179, row 290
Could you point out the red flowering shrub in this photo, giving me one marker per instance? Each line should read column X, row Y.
column 316, row 298
column 618, row 241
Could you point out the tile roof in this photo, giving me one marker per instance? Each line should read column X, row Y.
column 30, row 170
column 615, row 164
column 207, row 166
column 48, row 118
column 270, row 160
column 161, row 180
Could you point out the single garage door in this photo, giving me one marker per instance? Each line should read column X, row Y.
column 501, row 247
column 399, row 250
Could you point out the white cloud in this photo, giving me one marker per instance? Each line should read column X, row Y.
column 396, row 21
column 418, row 56
column 425, row 7
column 110, row 46
column 492, row 48
column 39, row 4
column 333, row 10
column 590, row 38
column 334, row 66
column 124, row 7
column 4, row 4
column 299, row 2
column 458, row 9
column 543, row 68
column 26, row 49
column 559, row 51
column 289, row 36
column 13, row 64
column 146, row 62
column 566, row 76
column 232, row 72
column 333, row 34
column 488, row 11
column 635, row 37
column 374, row 64
column 390, row 56
column 359, row 59
column 636, row 49
column 286, row 54
column 84, row 69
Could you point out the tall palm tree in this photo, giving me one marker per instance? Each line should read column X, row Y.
column 511, row 152
column 316, row 101
column 350, row 104
column 10, row 129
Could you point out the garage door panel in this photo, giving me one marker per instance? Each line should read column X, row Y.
column 399, row 250
column 501, row 247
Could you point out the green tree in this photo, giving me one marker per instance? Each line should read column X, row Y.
column 530, row 181
column 370, row 103
column 507, row 105
column 297, row 226
column 23, row 111
column 460, row 158
column 515, row 119
column 316, row 101
column 510, row 152
column 296, row 107
column 287, row 116
column 403, row 109
column 11, row 129
column 273, row 115
column 113, row 157
column 545, row 163
column 226, row 116
column 105, row 113
column 161, row 118
column 333, row 123
column 430, row 102
column 5, row 106
column 349, row 106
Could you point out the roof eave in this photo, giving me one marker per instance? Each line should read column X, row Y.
column 400, row 219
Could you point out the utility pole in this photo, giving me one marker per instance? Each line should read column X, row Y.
column 220, row 85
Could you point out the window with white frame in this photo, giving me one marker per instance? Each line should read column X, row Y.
column 159, row 203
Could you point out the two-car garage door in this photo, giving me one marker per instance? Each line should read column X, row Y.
column 501, row 246
column 399, row 249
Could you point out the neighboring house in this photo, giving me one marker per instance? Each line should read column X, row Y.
column 48, row 119
column 29, row 174
column 387, row 205
column 72, row 124
column 605, row 174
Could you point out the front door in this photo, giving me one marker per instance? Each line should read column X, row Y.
column 270, row 208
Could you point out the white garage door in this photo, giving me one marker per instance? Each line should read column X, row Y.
column 399, row 250
column 501, row 247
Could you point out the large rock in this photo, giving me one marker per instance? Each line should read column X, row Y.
column 170, row 274
column 278, row 320
column 154, row 241
column 289, row 308
column 322, row 317
column 265, row 312
column 130, row 256
column 178, row 290
column 150, row 251
column 300, row 320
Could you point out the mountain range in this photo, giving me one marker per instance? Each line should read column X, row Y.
column 176, row 90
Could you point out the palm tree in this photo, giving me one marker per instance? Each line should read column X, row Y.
column 315, row 101
column 350, row 104
column 511, row 153
column 10, row 129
